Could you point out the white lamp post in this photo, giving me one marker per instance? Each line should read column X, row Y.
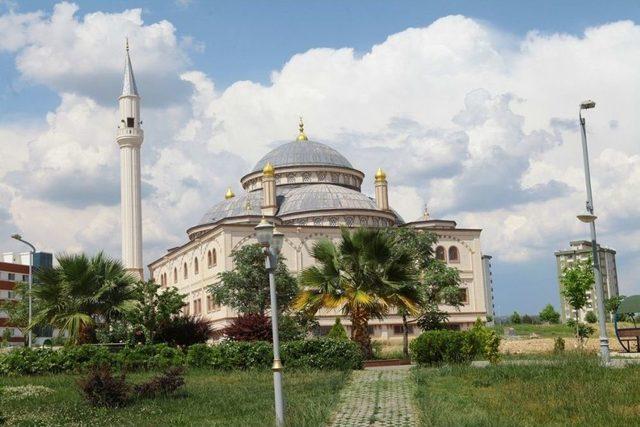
column 589, row 218
column 31, row 254
column 272, row 240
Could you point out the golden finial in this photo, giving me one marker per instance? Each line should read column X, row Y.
column 380, row 175
column 301, row 135
column 229, row 194
column 426, row 215
column 268, row 169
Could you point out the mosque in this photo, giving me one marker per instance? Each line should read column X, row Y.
column 309, row 190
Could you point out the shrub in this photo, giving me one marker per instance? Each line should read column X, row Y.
column 444, row 346
column 489, row 341
column 161, row 385
column 558, row 345
column 590, row 317
column 184, row 331
column 322, row 353
column 154, row 356
column 200, row 355
column 337, row 331
column 291, row 329
column 249, row 327
column 101, row 388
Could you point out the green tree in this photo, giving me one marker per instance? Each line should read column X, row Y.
column 437, row 283
column 576, row 281
column 246, row 287
column 364, row 276
column 590, row 317
column 611, row 304
column 156, row 307
column 515, row 318
column 81, row 292
column 17, row 310
column 549, row 314
column 337, row 331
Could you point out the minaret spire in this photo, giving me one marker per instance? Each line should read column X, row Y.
column 129, row 84
column 129, row 138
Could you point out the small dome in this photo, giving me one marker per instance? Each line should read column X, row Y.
column 320, row 197
column 247, row 204
column 303, row 153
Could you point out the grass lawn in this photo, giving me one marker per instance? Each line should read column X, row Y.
column 209, row 398
column 576, row 392
column 545, row 331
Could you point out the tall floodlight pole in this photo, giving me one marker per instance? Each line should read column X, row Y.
column 272, row 240
column 31, row 254
column 590, row 218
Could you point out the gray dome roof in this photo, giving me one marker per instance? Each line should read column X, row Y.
column 303, row 153
column 320, row 197
column 247, row 204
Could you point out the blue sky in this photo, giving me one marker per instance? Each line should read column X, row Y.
column 516, row 195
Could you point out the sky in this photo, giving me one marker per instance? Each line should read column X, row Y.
column 470, row 107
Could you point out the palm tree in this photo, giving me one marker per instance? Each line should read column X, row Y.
column 80, row 292
column 363, row 277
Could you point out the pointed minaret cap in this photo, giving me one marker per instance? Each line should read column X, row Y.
column 380, row 175
column 229, row 194
column 129, row 87
column 426, row 215
column 268, row 169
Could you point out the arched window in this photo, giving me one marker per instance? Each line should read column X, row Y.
column 196, row 270
column 440, row 253
column 185, row 272
column 454, row 255
column 214, row 257
column 175, row 275
column 209, row 260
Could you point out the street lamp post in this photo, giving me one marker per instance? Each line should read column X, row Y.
column 272, row 240
column 31, row 254
column 589, row 218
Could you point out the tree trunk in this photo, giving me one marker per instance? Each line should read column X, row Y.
column 405, row 336
column 578, row 330
column 360, row 332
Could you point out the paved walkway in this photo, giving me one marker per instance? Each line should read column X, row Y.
column 376, row 397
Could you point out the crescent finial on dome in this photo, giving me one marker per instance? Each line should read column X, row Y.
column 268, row 169
column 380, row 175
column 229, row 194
column 301, row 135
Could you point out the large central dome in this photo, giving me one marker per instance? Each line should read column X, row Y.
column 303, row 153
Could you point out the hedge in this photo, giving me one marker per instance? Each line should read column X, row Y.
column 444, row 346
column 318, row 353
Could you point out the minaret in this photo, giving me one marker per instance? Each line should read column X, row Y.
column 129, row 138
column 382, row 197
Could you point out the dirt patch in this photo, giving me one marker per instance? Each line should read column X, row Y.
column 545, row 345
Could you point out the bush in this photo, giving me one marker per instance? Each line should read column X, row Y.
column 249, row 327
column 184, row 331
column 489, row 341
column 558, row 345
column 154, row 356
column 590, row 317
column 337, row 331
column 161, row 385
column 290, row 329
column 322, row 353
column 444, row 346
column 101, row 388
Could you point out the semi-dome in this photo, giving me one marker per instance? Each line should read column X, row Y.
column 322, row 197
column 303, row 153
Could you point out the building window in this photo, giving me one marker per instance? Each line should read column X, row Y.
column 464, row 295
column 12, row 276
column 185, row 271
column 25, row 277
column 130, row 122
column 175, row 275
column 454, row 255
column 185, row 309
column 397, row 329
column 440, row 253
column 196, row 269
column 210, row 303
column 197, row 307
column 211, row 258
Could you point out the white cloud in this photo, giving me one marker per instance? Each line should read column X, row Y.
column 478, row 125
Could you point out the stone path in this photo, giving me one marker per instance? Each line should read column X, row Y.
column 376, row 397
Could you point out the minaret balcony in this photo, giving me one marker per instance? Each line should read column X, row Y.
column 122, row 132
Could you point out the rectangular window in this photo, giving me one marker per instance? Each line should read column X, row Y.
column 12, row 276
column 130, row 122
column 211, row 306
column 397, row 329
column 464, row 295
column 25, row 277
column 185, row 309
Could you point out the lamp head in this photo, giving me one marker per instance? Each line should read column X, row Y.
column 277, row 241
column 585, row 105
column 16, row 236
column 264, row 233
column 587, row 217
